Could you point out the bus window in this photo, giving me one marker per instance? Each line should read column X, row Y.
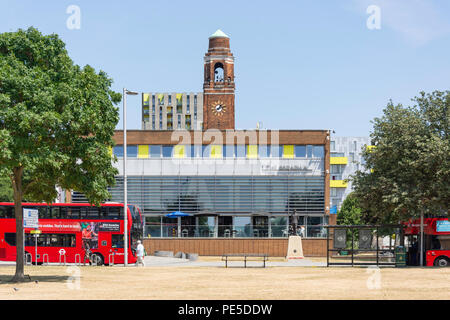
column 68, row 240
column 6, row 212
column 103, row 212
column 117, row 241
column 114, row 213
column 73, row 212
column 83, row 212
column 55, row 241
column 42, row 240
column 54, row 212
column 10, row 238
column 92, row 212
column 29, row 240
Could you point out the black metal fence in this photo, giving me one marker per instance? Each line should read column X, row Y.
column 363, row 245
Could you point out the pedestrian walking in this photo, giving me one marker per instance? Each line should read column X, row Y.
column 140, row 251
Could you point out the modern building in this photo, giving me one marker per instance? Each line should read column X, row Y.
column 346, row 159
column 239, row 188
column 172, row 111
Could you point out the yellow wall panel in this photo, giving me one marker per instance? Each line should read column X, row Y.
column 143, row 151
column 179, row 151
column 338, row 184
column 216, row 152
column 288, row 151
column 252, row 151
column 146, row 99
column 338, row 160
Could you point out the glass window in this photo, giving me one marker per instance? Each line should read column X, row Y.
column 6, row 212
column 279, row 226
column 300, row 151
column 332, row 145
column 337, row 154
column 55, row 212
column 117, row 241
column 167, row 151
column 132, row 151
column 309, row 151
column 118, row 151
column 240, row 151
column 333, row 192
column 313, row 221
column 170, row 99
column 152, row 227
column 318, row 151
column 243, row 227
column 276, row 151
column 196, row 151
column 352, row 157
column 155, row 151
column 264, row 151
column 10, row 238
column 228, row 151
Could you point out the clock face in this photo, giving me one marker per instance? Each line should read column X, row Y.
column 218, row 108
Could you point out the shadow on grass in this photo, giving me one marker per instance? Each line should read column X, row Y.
column 7, row 279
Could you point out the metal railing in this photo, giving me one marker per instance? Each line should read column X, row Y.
column 111, row 259
column 43, row 259
column 62, row 261
column 30, row 261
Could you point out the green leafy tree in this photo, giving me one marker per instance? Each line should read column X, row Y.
column 56, row 124
column 408, row 171
column 6, row 192
column 350, row 212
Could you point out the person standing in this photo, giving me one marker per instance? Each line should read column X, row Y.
column 140, row 250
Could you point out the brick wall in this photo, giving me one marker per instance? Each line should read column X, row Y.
column 217, row 247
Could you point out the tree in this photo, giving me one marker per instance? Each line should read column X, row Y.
column 6, row 192
column 409, row 169
column 56, row 124
column 350, row 212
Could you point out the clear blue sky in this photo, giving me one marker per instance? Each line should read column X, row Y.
column 299, row 64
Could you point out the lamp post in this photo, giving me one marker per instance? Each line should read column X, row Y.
column 125, row 198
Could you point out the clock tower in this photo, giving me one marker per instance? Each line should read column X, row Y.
column 218, row 85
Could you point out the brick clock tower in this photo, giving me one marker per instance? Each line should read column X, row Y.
column 218, row 86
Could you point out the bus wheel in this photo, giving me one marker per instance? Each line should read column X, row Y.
column 441, row 262
column 97, row 259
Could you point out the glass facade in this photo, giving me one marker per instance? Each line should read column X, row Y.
column 232, row 227
column 236, row 195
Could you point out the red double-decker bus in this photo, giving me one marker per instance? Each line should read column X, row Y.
column 69, row 230
column 436, row 241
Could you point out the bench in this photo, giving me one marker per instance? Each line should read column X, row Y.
column 245, row 257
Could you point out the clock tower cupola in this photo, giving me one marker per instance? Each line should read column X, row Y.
column 218, row 86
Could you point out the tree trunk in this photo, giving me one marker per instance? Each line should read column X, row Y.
column 18, row 196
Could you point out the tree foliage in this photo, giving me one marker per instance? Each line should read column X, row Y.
column 56, row 122
column 350, row 212
column 6, row 192
column 408, row 171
